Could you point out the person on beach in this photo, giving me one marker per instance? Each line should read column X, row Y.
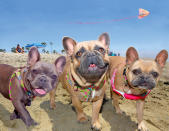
column 19, row 49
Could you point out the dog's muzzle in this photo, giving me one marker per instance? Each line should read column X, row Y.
column 92, row 66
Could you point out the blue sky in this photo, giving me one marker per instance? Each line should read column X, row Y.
column 31, row 21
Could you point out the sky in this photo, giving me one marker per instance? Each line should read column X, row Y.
column 35, row 21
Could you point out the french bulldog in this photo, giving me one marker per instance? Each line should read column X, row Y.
column 85, row 75
column 135, row 77
column 36, row 79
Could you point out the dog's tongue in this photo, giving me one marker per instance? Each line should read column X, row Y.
column 92, row 65
column 40, row 91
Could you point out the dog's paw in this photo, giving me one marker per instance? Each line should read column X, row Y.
column 31, row 122
column 82, row 119
column 119, row 111
column 14, row 116
column 52, row 105
column 142, row 127
column 96, row 126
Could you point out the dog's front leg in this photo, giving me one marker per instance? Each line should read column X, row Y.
column 52, row 98
column 95, row 114
column 140, row 113
column 23, row 113
column 14, row 115
column 81, row 117
column 116, row 103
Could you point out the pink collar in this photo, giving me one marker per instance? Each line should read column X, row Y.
column 125, row 95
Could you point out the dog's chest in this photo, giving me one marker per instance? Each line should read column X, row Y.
column 87, row 94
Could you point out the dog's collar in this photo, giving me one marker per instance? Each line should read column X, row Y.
column 17, row 74
column 89, row 91
column 125, row 95
column 81, row 80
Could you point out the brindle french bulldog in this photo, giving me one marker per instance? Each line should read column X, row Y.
column 37, row 78
column 85, row 75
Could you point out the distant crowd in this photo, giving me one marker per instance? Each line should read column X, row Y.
column 113, row 54
column 19, row 49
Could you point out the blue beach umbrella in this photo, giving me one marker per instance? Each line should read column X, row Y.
column 38, row 45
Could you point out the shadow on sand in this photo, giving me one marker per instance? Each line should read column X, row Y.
column 117, row 122
column 11, row 125
column 5, row 117
column 64, row 118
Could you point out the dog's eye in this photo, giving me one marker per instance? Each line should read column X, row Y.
column 35, row 71
column 54, row 77
column 79, row 54
column 136, row 71
column 154, row 74
column 101, row 50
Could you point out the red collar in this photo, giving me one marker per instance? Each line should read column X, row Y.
column 125, row 95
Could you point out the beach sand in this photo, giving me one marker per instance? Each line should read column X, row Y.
column 63, row 118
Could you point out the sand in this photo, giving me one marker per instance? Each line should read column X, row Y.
column 63, row 118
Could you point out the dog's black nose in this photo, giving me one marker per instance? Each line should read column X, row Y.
column 43, row 79
column 90, row 54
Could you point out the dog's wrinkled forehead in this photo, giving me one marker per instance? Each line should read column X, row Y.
column 89, row 45
column 45, row 67
column 145, row 66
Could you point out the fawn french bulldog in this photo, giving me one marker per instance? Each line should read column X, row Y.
column 85, row 74
column 134, row 78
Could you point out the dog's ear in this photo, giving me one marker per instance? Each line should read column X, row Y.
column 105, row 39
column 131, row 55
column 33, row 56
column 161, row 58
column 68, row 45
column 60, row 63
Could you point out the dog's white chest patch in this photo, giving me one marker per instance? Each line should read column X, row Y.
column 129, row 92
column 98, row 93
column 93, row 93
